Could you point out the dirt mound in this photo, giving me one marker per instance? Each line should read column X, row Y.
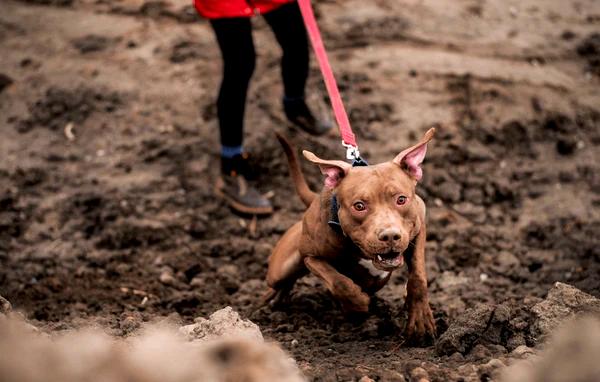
column 562, row 303
column 504, row 325
column 514, row 325
column 155, row 353
column 61, row 106
column 570, row 356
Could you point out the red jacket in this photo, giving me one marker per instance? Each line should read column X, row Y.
column 216, row 9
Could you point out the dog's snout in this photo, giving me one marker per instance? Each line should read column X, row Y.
column 389, row 235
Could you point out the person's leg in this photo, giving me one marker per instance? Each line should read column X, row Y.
column 288, row 27
column 234, row 36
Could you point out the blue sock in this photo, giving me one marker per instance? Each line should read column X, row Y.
column 231, row 151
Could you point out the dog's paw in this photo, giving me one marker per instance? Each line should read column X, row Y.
column 420, row 328
column 357, row 304
column 351, row 297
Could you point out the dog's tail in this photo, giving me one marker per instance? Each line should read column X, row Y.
column 305, row 193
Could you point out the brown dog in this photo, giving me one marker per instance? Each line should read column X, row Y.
column 365, row 223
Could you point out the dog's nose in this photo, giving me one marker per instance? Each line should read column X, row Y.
column 389, row 235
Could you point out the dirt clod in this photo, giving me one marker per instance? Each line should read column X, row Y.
column 5, row 306
column 463, row 334
column 5, row 81
column 91, row 43
column 224, row 323
column 486, row 327
column 418, row 374
column 589, row 48
column 187, row 50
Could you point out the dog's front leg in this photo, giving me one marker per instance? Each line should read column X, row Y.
column 420, row 319
column 350, row 295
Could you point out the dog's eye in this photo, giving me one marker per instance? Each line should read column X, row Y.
column 359, row 206
column 401, row 200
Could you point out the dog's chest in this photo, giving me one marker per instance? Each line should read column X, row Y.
column 364, row 274
column 368, row 265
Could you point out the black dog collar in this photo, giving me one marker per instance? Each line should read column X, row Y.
column 334, row 220
column 359, row 162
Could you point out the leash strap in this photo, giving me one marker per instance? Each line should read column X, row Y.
column 348, row 138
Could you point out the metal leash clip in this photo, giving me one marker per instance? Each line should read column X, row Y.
column 352, row 152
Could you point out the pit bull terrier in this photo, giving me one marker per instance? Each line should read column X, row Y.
column 366, row 222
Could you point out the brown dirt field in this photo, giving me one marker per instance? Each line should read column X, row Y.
column 512, row 180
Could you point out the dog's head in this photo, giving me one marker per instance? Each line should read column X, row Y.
column 378, row 209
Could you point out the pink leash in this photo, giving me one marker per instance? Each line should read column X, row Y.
column 348, row 138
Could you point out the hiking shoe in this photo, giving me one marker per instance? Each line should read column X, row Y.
column 242, row 197
column 297, row 112
column 234, row 188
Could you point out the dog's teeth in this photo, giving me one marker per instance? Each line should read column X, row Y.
column 379, row 258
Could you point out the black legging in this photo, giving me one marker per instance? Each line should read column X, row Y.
column 234, row 36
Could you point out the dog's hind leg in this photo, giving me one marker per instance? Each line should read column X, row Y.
column 285, row 266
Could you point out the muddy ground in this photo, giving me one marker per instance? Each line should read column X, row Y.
column 109, row 150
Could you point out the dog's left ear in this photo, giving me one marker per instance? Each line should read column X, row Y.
column 411, row 158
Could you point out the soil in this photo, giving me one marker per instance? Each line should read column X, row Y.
column 590, row 49
column 109, row 151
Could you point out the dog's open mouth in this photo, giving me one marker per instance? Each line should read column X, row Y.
column 388, row 261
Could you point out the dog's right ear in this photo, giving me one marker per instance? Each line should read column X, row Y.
column 411, row 158
column 334, row 170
